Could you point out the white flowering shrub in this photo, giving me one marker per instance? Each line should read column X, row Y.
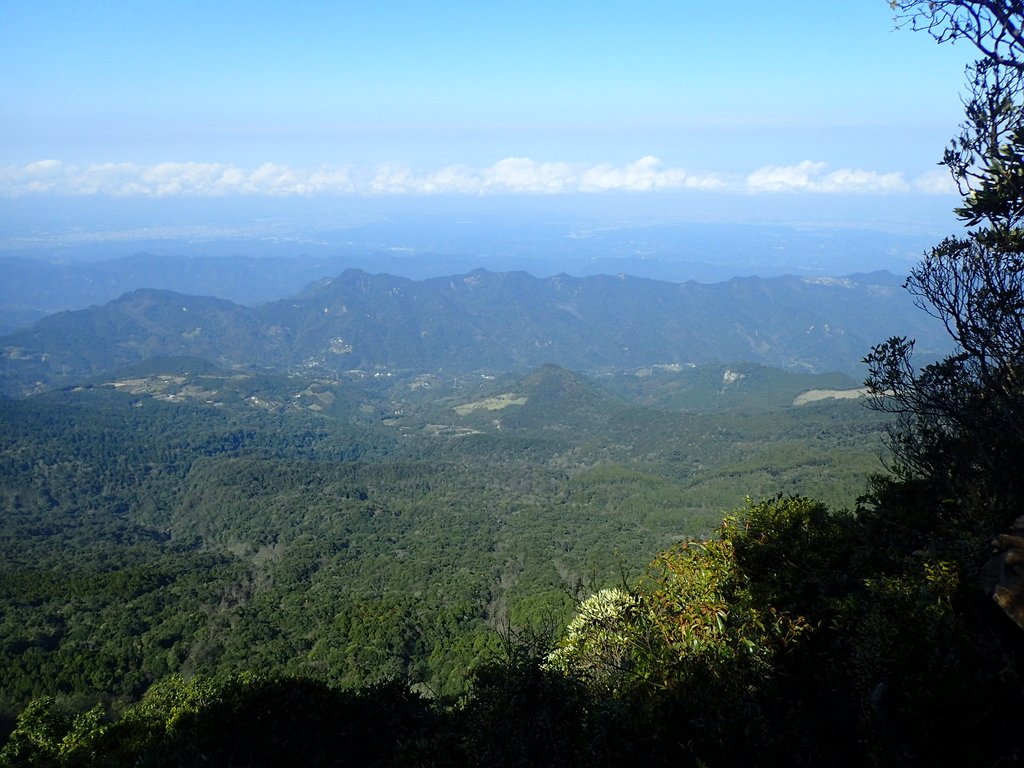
column 598, row 643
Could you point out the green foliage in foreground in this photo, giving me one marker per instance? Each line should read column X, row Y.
column 784, row 638
column 243, row 720
column 828, row 649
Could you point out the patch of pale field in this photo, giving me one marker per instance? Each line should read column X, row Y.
column 496, row 403
column 813, row 395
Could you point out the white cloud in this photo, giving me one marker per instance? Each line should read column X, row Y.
column 521, row 174
column 454, row 179
column 512, row 175
column 391, row 179
column 40, row 176
column 42, row 166
column 936, row 182
column 644, row 175
column 810, row 176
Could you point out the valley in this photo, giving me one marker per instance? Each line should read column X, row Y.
column 177, row 517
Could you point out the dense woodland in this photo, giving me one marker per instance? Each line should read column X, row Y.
column 206, row 567
column 144, row 537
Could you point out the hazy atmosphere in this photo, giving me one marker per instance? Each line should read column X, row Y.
column 250, row 128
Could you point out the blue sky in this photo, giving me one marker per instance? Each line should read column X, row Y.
column 389, row 99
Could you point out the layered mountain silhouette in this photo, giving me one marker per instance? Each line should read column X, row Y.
column 481, row 321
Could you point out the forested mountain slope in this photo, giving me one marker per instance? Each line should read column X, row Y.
column 482, row 321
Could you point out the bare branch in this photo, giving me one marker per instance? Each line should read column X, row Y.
column 994, row 27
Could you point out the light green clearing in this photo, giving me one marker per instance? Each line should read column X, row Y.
column 813, row 395
column 495, row 403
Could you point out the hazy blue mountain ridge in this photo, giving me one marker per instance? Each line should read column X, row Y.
column 481, row 322
column 46, row 271
column 33, row 288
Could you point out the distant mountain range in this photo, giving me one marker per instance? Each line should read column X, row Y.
column 33, row 288
column 481, row 322
column 107, row 254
